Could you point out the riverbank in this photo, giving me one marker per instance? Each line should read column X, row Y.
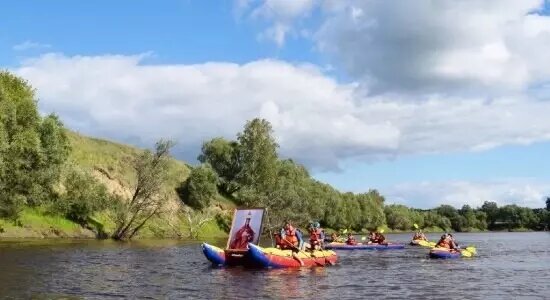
column 35, row 223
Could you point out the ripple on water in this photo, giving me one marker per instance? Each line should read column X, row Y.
column 510, row 265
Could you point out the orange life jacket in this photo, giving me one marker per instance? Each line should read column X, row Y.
column 444, row 244
column 290, row 236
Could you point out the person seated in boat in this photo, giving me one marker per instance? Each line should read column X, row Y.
column 335, row 238
column 376, row 237
column 351, row 240
column 446, row 241
column 453, row 242
column 420, row 236
column 316, row 236
column 300, row 236
column 291, row 239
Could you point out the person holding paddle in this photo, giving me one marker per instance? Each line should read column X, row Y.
column 351, row 240
column 419, row 236
column 291, row 240
column 316, row 236
column 376, row 237
column 447, row 241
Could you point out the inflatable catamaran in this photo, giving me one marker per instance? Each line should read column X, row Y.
column 243, row 248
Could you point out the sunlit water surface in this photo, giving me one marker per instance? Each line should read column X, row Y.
column 508, row 266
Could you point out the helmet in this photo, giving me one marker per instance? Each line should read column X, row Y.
column 316, row 225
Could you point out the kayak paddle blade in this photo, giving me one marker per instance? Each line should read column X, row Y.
column 426, row 244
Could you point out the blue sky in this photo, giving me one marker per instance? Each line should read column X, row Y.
column 122, row 27
column 362, row 101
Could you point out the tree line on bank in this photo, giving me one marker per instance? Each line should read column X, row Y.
column 487, row 217
column 35, row 172
column 249, row 171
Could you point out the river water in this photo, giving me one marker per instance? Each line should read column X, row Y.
column 508, row 266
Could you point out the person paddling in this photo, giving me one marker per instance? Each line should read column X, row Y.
column 376, row 237
column 351, row 240
column 447, row 241
column 420, row 236
column 291, row 240
column 453, row 243
column 316, row 237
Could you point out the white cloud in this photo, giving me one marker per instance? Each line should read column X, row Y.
column 28, row 45
column 476, row 46
column 447, row 47
column 316, row 119
column 280, row 14
column 521, row 191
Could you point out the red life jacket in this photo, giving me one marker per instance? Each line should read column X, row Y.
column 315, row 236
column 351, row 241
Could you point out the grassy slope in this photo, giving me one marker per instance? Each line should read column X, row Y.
column 111, row 162
column 116, row 159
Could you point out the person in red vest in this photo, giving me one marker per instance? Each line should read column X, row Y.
column 351, row 239
column 316, row 236
column 243, row 236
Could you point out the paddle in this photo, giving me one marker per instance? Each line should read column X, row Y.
column 426, row 243
column 468, row 251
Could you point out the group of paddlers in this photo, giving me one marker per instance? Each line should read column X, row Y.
column 447, row 240
column 291, row 238
column 374, row 237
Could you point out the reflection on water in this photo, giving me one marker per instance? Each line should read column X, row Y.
column 509, row 265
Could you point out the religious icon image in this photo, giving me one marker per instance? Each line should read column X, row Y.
column 246, row 228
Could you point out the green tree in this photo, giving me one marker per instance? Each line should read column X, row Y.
column 288, row 197
column 258, row 155
column 481, row 218
column 223, row 156
column 83, row 196
column 32, row 149
column 372, row 209
column 148, row 197
column 398, row 217
column 492, row 212
column 468, row 218
column 518, row 217
column 200, row 187
column 451, row 213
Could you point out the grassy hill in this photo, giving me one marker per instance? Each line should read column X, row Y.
column 111, row 164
